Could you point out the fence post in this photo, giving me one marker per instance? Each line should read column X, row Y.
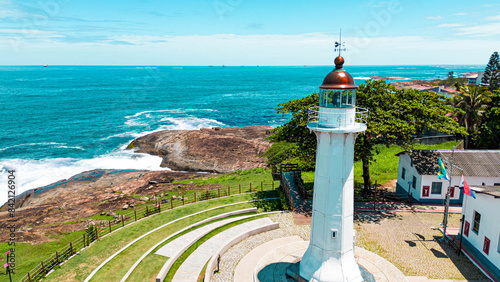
column 96, row 232
column 250, row 187
column 183, row 200
column 109, row 223
column 123, row 224
column 262, row 186
column 43, row 268
column 272, row 184
column 57, row 257
column 228, row 190
column 159, row 207
column 239, row 185
column 171, row 204
column 195, row 197
column 71, row 248
column 147, row 211
column 135, row 215
column 83, row 241
column 29, row 277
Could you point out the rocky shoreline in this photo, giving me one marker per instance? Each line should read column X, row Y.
column 219, row 150
column 69, row 204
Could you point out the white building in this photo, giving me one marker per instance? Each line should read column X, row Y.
column 417, row 173
column 481, row 240
column 475, row 78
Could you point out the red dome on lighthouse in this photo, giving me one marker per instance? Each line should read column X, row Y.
column 338, row 78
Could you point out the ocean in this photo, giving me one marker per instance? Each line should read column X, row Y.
column 58, row 121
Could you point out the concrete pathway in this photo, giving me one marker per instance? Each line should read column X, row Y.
column 193, row 265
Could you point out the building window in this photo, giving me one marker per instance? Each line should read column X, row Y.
column 496, row 184
column 403, row 173
column 498, row 245
column 486, row 246
column 477, row 219
column 436, row 188
column 413, row 183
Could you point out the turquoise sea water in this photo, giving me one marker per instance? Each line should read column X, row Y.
column 58, row 121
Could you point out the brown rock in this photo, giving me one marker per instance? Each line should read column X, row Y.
column 218, row 150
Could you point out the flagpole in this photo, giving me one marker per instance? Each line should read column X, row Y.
column 445, row 220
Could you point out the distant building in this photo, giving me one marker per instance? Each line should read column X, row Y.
column 440, row 90
column 417, row 173
column 475, row 78
column 481, row 231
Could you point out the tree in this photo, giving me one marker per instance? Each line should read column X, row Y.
column 492, row 72
column 396, row 116
column 489, row 137
column 472, row 100
column 295, row 131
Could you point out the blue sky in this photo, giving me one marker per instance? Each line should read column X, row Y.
column 247, row 32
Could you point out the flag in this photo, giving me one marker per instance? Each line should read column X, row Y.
column 442, row 170
column 465, row 186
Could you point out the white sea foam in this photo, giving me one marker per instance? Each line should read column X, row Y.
column 60, row 145
column 363, row 77
column 38, row 173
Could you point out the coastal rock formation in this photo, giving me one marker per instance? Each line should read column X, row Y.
column 69, row 205
column 217, row 149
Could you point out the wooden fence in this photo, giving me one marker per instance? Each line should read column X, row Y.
column 103, row 228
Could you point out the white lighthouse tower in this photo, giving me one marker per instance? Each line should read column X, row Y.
column 330, row 255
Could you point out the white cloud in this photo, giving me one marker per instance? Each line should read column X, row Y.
column 234, row 49
column 450, row 25
column 493, row 18
column 435, row 18
column 460, row 14
column 490, row 29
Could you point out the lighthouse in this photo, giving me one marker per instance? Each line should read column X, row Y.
column 336, row 123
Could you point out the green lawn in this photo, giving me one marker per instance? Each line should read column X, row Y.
column 28, row 256
column 385, row 166
column 254, row 176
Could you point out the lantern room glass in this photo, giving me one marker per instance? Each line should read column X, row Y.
column 337, row 98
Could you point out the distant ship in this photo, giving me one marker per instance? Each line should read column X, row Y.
column 45, row 66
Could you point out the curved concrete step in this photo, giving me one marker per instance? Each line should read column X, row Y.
column 194, row 264
column 177, row 247
column 246, row 268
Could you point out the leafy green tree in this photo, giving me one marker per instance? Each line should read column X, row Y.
column 396, row 116
column 472, row 100
column 295, row 131
column 492, row 72
column 489, row 137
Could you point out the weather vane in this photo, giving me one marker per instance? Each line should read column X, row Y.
column 340, row 46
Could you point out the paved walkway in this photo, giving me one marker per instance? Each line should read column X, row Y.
column 268, row 262
column 302, row 208
column 193, row 265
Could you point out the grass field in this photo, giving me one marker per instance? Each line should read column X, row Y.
column 385, row 165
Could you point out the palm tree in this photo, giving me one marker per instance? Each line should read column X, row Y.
column 472, row 100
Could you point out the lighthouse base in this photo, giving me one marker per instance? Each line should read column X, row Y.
column 315, row 267
column 292, row 274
